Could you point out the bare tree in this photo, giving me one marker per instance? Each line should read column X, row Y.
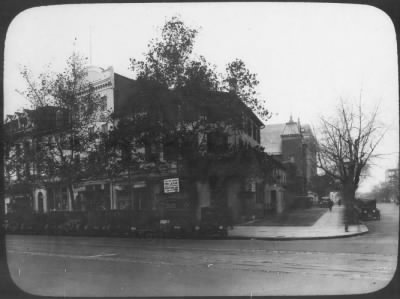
column 347, row 145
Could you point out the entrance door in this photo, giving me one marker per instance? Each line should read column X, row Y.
column 273, row 200
column 141, row 199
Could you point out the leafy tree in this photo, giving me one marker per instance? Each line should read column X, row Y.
column 63, row 151
column 240, row 81
column 170, row 61
column 185, row 107
column 167, row 56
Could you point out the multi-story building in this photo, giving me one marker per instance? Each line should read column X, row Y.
column 392, row 175
column 294, row 145
column 163, row 184
column 31, row 128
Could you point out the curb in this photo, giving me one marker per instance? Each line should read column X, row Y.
column 298, row 238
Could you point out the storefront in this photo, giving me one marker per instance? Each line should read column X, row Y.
column 57, row 198
column 135, row 196
column 92, row 197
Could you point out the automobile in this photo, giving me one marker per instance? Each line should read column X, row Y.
column 368, row 209
column 324, row 203
column 149, row 229
column 214, row 223
column 209, row 230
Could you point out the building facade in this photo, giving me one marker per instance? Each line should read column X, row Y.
column 295, row 146
column 247, row 183
column 392, row 175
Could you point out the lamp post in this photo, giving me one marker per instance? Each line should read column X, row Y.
column 345, row 192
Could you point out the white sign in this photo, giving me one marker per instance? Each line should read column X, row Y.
column 139, row 184
column 250, row 185
column 171, row 185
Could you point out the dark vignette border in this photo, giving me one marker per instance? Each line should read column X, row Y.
column 9, row 9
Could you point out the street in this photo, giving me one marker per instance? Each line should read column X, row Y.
column 97, row 266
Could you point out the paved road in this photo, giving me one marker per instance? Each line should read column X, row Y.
column 79, row 266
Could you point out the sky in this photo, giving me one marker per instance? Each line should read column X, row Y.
column 307, row 56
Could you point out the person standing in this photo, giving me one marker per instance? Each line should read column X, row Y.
column 330, row 204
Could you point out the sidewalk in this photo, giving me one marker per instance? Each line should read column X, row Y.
column 328, row 226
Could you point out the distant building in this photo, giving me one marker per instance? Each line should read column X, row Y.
column 392, row 175
column 295, row 146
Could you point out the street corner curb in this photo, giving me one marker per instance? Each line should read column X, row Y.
column 338, row 236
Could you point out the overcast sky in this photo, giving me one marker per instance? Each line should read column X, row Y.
column 306, row 56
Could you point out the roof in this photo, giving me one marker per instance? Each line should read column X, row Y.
column 291, row 128
column 271, row 135
column 271, row 138
column 233, row 97
column 96, row 74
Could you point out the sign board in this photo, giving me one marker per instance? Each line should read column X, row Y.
column 171, row 185
column 250, row 185
column 79, row 188
column 139, row 184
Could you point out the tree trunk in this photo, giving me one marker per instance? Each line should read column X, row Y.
column 348, row 193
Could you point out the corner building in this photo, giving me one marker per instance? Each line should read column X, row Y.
column 162, row 187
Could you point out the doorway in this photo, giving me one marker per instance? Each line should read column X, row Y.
column 273, row 201
column 40, row 202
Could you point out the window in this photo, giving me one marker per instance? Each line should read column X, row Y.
column 59, row 119
column 23, row 122
column 7, row 151
column 249, row 127
column 190, row 113
column 40, row 202
column 18, row 150
column 151, row 154
column 27, row 147
column 77, row 159
column 104, row 128
column 103, row 103
column 63, row 205
column 38, row 145
column 241, row 145
column 91, row 158
column 170, row 149
column 27, row 169
column 91, row 131
column 254, row 131
column 273, row 200
column 217, row 142
column 203, row 116
column 51, row 199
column 259, row 193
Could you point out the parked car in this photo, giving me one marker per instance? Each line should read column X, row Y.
column 214, row 223
column 368, row 209
column 324, row 203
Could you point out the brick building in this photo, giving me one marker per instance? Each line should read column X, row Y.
column 294, row 145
